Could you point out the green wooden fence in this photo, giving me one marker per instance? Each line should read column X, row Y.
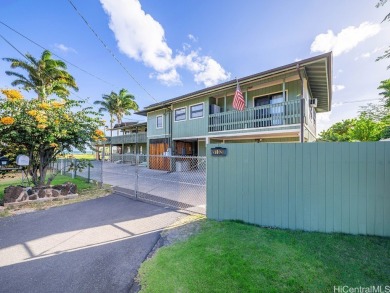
column 327, row 187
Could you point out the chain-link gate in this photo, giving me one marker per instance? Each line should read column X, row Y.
column 174, row 181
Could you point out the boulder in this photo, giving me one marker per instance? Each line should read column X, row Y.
column 67, row 188
column 13, row 193
column 55, row 193
column 33, row 196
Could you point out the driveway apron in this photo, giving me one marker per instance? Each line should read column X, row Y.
column 92, row 246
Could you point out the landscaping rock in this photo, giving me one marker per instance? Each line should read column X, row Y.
column 67, row 188
column 41, row 193
column 55, row 193
column 12, row 193
column 33, row 197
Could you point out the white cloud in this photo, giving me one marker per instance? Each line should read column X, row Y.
column 64, row 48
column 142, row 38
column 192, row 38
column 168, row 78
column 337, row 87
column 345, row 40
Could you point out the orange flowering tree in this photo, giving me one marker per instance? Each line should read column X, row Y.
column 42, row 130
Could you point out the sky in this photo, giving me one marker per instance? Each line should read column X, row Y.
column 159, row 50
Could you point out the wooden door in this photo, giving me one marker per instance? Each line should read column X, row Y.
column 156, row 159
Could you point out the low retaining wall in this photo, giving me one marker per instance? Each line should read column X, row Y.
column 20, row 194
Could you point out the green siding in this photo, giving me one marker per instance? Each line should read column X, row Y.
column 202, row 148
column 154, row 132
column 327, row 187
column 192, row 127
column 293, row 89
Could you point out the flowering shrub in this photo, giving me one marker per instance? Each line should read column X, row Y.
column 44, row 130
column 7, row 120
column 12, row 95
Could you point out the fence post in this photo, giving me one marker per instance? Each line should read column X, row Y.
column 89, row 173
column 136, row 175
column 74, row 168
column 62, row 166
column 102, row 166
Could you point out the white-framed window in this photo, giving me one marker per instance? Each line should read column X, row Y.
column 180, row 114
column 159, row 121
column 196, row 111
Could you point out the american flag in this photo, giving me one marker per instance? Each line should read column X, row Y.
column 238, row 101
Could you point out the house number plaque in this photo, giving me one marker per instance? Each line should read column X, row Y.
column 219, row 152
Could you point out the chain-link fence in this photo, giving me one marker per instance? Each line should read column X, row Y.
column 90, row 171
column 174, row 181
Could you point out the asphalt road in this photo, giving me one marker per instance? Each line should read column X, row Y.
column 92, row 246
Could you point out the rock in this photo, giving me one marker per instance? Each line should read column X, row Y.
column 67, row 188
column 33, row 196
column 41, row 193
column 23, row 196
column 55, row 193
column 12, row 193
column 29, row 191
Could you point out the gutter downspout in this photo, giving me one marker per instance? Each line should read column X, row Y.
column 301, row 134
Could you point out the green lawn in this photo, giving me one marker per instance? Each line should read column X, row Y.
column 235, row 257
column 83, row 156
column 59, row 179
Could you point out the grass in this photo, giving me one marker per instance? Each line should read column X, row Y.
column 235, row 257
column 81, row 156
column 59, row 179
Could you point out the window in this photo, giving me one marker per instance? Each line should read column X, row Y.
column 159, row 121
column 196, row 111
column 180, row 114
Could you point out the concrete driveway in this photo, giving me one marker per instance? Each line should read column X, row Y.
column 92, row 246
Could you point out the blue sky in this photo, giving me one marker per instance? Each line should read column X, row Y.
column 175, row 47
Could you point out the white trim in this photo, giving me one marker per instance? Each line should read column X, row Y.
column 162, row 121
column 191, row 137
column 189, row 111
column 263, row 133
column 161, row 109
column 276, row 126
column 309, row 130
column 174, row 114
column 164, row 134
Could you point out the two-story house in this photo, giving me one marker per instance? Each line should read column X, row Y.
column 280, row 106
column 127, row 138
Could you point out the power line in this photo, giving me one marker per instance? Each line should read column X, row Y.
column 63, row 59
column 110, row 51
column 358, row 101
column 24, row 56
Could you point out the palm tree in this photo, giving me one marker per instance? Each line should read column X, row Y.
column 117, row 105
column 108, row 104
column 46, row 76
column 125, row 103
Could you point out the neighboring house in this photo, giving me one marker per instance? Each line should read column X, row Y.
column 127, row 138
column 184, row 125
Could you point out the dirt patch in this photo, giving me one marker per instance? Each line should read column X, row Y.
column 182, row 229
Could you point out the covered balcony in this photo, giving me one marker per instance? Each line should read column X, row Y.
column 278, row 114
column 139, row 137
